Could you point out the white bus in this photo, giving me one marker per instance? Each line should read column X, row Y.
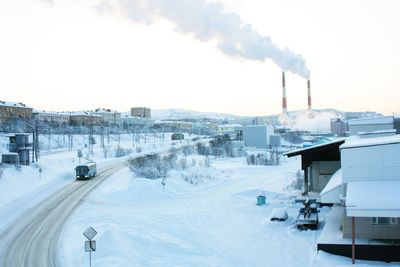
column 86, row 170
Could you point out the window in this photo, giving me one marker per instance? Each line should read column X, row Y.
column 383, row 220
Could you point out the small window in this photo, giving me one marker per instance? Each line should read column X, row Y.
column 383, row 220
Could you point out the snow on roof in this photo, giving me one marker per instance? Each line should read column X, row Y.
column 373, row 199
column 373, row 120
column 356, row 141
column 298, row 151
column 377, row 133
column 335, row 181
column 13, row 104
column 333, row 190
column 37, row 111
column 82, row 113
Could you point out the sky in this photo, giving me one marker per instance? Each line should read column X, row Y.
column 214, row 56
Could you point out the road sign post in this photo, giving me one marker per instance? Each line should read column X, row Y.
column 90, row 245
column 79, row 155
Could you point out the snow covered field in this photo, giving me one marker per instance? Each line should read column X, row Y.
column 213, row 223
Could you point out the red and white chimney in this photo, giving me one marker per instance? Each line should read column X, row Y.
column 284, row 103
column 309, row 95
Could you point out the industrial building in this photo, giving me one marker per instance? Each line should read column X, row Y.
column 371, row 124
column 257, row 136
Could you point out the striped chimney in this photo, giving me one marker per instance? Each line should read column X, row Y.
column 309, row 94
column 284, row 104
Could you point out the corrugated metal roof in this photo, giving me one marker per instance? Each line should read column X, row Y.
column 373, row 120
column 372, row 141
column 318, row 146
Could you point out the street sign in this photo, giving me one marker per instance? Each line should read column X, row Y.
column 80, row 153
column 89, row 233
column 90, row 246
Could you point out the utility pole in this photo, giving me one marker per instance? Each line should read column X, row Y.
column 119, row 141
column 91, row 138
column 36, row 141
column 102, row 136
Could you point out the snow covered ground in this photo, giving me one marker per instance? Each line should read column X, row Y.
column 213, row 223
column 23, row 187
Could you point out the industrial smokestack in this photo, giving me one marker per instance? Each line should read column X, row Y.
column 309, row 95
column 284, row 104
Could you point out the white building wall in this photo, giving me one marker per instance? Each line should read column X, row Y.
column 377, row 162
column 257, row 136
column 354, row 129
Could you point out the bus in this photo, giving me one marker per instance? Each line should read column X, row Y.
column 86, row 170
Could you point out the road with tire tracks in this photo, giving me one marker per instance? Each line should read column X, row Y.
column 32, row 239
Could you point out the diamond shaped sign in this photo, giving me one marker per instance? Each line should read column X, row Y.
column 89, row 233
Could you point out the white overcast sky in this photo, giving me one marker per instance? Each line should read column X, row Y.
column 66, row 55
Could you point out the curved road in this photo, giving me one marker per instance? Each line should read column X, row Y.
column 32, row 239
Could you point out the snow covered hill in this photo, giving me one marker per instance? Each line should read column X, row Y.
column 178, row 114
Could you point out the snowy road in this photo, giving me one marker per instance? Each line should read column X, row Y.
column 32, row 240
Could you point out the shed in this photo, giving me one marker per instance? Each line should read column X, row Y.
column 319, row 163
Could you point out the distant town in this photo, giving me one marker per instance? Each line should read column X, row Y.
column 18, row 116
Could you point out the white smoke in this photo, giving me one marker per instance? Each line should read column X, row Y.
column 209, row 21
column 312, row 121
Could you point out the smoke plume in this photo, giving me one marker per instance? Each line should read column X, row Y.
column 209, row 21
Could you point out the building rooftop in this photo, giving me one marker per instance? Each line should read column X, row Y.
column 373, row 120
column 322, row 146
column 356, row 141
column 13, row 104
column 103, row 110
column 82, row 113
column 373, row 199
column 50, row 112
